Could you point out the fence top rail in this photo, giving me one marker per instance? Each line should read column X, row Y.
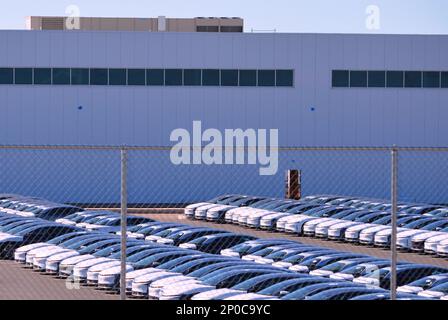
column 168, row 148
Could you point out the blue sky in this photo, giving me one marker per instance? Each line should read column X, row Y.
column 342, row 16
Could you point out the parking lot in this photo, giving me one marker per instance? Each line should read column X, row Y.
column 17, row 283
column 191, row 254
column 408, row 257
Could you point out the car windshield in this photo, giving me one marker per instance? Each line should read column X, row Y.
column 95, row 247
column 418, row 224
column 441, row 288
column 436, row 225
column 428, row 282
column 337, row 266
column 276, row 289
column 61, row 239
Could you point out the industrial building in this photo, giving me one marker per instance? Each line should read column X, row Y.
column 104, row 86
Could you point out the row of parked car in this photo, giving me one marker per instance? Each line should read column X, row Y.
column 422, row 228
column 162, row 267
column 174, row 261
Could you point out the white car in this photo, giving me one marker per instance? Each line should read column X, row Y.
column 81, row 269
column 442, row 249
column 437, row 292
column 337, row 231
column 52, row 263
column 367, row 236
column 130, row 276
column 141, row 284
column 424, row 284
column 66, row 266
column 252, row 218
column 183, row 291
column 20, row 253
column 32, row 253
column 269, row 222
column 189, row 210
column 250, row 297
column 181, row 281
column 107, row 279
column 352, row 233
column 321, row 230
column 405, row 238
column 217, row 294
column 106, row 268
column 201, row 212
column 296, row 224
column 417, row 242
column 40, row 259
column 431, row 244
column 309, row 228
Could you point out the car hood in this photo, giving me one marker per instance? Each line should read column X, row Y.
column 41, row 250
column 427, row 235
column 33, row 246
column 250, row 296
column 374, row 229
column 197, row 205
column 150, row 277
column 106, row 265
column 7, row 237
column 172, row 280
column 63, row 255
column 361, row 227
column 329, row 223
column 221, row 207
column 345, row 224
column 52, row 252
column 438, row 238
column 141, row 272
column 104, row 269
column 77, row 259
column 217, row 294
column 92, row 262
column 410, row 233
column 187, row 288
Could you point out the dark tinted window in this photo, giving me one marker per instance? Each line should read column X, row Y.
column 80, row 76
column 210, row 77
column 340, row 79
column 248, row 78
column 394, row 79
column 207, row 28
column 231, row 29
column 358, row 79
column 6, row 75
column 266, row 78
column 117, row 77
column 444, row 80
column 98, row 77
column 61, row 76
column 284, row 78
column 23, row 76
column 413, row 79
column 42, row 76
column 229, row 77
column 136, row 77
column 192, row 77
column 155, row 77
column 431, row 79
column 173, row 77
column 377, row 79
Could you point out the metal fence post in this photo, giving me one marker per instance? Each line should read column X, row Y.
column 394, row 209
column 124, row 205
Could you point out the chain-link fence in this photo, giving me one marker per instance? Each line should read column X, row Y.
column 364, row 220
